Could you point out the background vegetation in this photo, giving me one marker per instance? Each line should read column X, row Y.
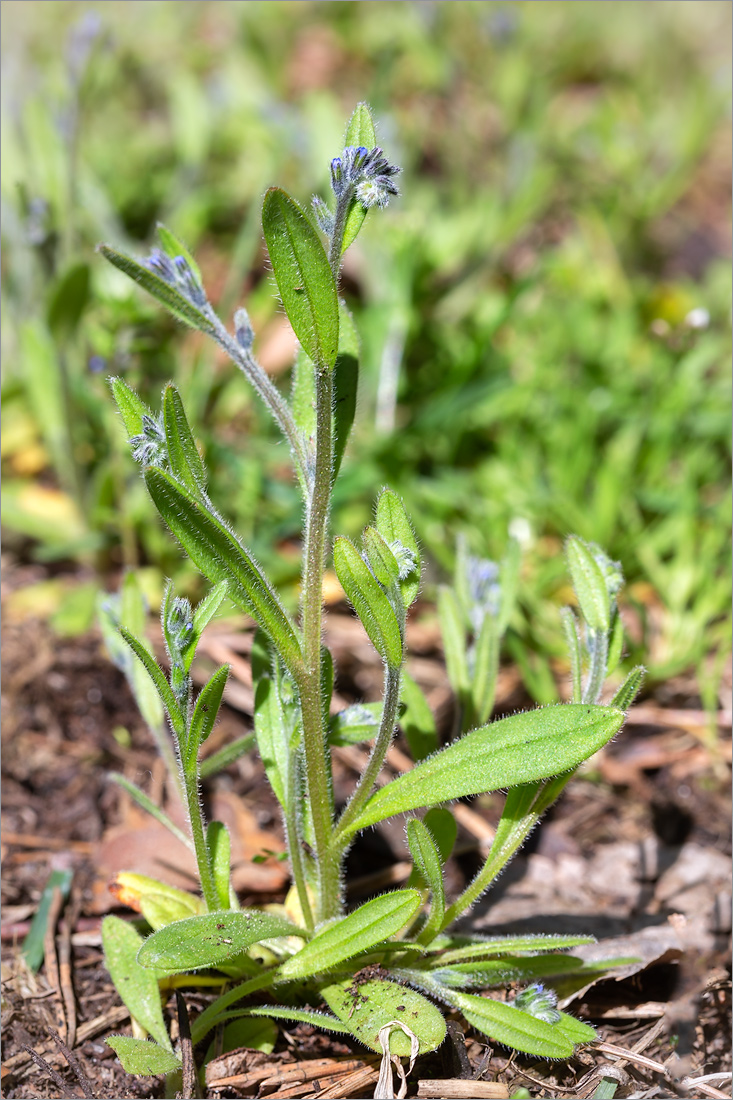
column 545, row 310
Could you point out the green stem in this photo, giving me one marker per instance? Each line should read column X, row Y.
column 269, row 393
column 198, row 833
column 209, row 1017
column 339, row 225
column 382, row 742
column 309, row 680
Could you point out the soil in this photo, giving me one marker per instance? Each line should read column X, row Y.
column 636, row 852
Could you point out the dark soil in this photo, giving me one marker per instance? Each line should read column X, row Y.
column 634, row 852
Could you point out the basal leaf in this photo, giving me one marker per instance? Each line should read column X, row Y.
column 185, row 460
column 366, row 1006
column 370, row 602
column 137, row 987
column 513, row 1028
column 506, row 945
column 369, row 925
column 394, row 526
column 211, row 939
column 518, row 749
column 167, row 294
column 425, row 853
column 303, row 275
column 220, row 556
column 575, row 1030
column 143, row 1058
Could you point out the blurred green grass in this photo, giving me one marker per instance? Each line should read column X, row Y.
column 545, row 309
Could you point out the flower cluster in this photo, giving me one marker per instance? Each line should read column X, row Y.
column 149, row 447
column 177, row 273
column 366, row 172
column 539, row 1002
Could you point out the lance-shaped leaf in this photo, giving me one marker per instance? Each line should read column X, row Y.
column 589, row 584
column 211, row 939
column 303, row 275
column 505, row 945
column 369, row 600
column 427, row 861
column 394, row 526
column 132, row 409
column 143, row 1058
column 366, row 1007
column 137, row 987
column 185, row 460
column 369, row 925
column 220, row 556
column 513, row 1028
column 172, row 298
column 630, row 688
column 157, row 676
column 519, row 749
column 219, row 845
column 205, row 714
column 360, row 131
column 174, row 247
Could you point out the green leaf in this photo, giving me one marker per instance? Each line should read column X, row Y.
column 615, row 646
column 162, row 686
column 444, row 829
column 359, row 722
column 486, row 973
column 589, row 584
column 575, row 1030
column 220, row 556
column 454, row 642
column 298, row 1015
column 345, row 385
column 271, row 731
column 381, row 559
column 250, row 1032
column 33, row 945
column 513, row 1028
column 370, row 602
column 168, row 295
column 219, row 846
column 69, row 298
column 360, row 131
column 174, row 247
column 505, row 945
column 630, row 688
column 205, row 714
column 370, row 924
column 211, row 939
column 185, row 460
column 131, row 408
column 215, row 763
column 303, row 394
column 137, row 987
column 417, row 721
column 394, row 526
column 519, row 749
column 485, row 670
column 365, row 1007
column 427, row 861
column 303, row 275
column 142, row 1057
column 208, row 607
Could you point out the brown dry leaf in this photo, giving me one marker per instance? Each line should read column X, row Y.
column 141, row 844
column 648, row 946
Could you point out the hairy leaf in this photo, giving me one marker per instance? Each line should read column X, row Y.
column 185, row 460
column 205, row 714
column 366, row 1006
column 137, row 987
column 513, row 1028
column 589, row 584
column 143, row 1058
column 368, row 925
column 394, row 526
column 370, row 602
column 168, row 295
column 132, row 409
column 303, row 276
column 211, row 939
column 518, row 749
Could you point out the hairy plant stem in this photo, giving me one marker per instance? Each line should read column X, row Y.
column 309, row 680
column 210, row 1016
column 337, row 235
column 382, row 742
column 203, row 859
column 292, row 837
column 269, row 393
column 523, row 809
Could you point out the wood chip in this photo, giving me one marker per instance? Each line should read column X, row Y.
column 455, row 1088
